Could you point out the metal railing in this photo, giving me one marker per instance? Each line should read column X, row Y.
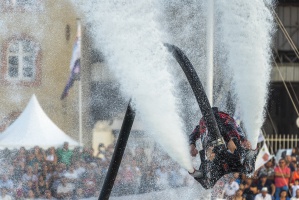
column 281, row 141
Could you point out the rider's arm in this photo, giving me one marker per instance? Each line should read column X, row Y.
column 194, row 136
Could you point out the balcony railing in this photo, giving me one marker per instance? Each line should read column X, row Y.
column 281, row 141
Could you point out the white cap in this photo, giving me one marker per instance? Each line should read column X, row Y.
column 264, row 189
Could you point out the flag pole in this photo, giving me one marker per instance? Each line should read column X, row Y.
column 80, row 84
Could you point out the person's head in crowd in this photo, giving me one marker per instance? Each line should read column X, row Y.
column 241, row 186
column 76, row 150
column 3, row 192
column 66, row 146
column 288, row 159
column 22, row 150
column 264, row 191
column 45, row 168
column 243, row 178
column 30, row 156
column 283, row 194
column 30, row 194
column 29, row 170
column 297, row 193
column 85, row 150
column 48, row 194
column 79, row 193
column 239, row 193
column 63, row 167
column 101, row 147
column 248, row 183
column 52, row 150
column 71, row 169
column 253, row 188
column 269, row 164
column 263, row 178
column 91, row 151
column 36, row 168
column 63, row 180
column 297, row 182
column 40, row 178
column 232, row 179
column 37, row 150
column 294, row 161
column 236, row 175
column 282, row 163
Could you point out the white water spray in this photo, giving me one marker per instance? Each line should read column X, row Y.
column 128, row 36
column 245, row 31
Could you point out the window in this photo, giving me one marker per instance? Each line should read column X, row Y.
column 21, row 60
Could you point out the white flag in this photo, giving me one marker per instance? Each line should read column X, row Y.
column 263, row 156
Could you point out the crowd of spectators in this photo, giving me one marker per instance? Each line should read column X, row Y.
column 63, row 173
column 79, row 173
column 276, row 180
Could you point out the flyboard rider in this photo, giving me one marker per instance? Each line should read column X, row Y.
column 237, row 156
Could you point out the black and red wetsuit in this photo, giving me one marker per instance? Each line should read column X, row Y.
column 224, row 162
column 227, row 126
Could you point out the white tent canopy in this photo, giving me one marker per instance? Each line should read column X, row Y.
column 34, row 128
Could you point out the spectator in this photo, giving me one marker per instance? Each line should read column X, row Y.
column 79, row 194
column 51, row 157
column 295, row 187
column 21, row 155
column 6, row 183
column 289, row 163
column 89, row 185
column 77, row 156
column 39, row 154
column 26, row 187
column 283, row 195
column 296, row 196
column 29, row 176
column 64, row 155
column 140, row 158
column 5, row 195
column 251, row 192
column 19, row 170
column 31, row 159
column 295, row 175
column 237, row 178
column 162, row 178
column 263, row 195
column 30, row 195
column 48, row 195
column 267, row 169
column 148, row 181
column 71, row 174
column 230, row 188
column 282, row 175
column 238, row 195
column 88, row 156
column 41, row 186
column 264, row 182
column 294, row 161
column 65, row 189
column 101, row 151
column 80, row 168
column 295, row 151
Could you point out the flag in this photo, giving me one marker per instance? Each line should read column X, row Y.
column 74, row 65
column 263, row 157
column 261, row 137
